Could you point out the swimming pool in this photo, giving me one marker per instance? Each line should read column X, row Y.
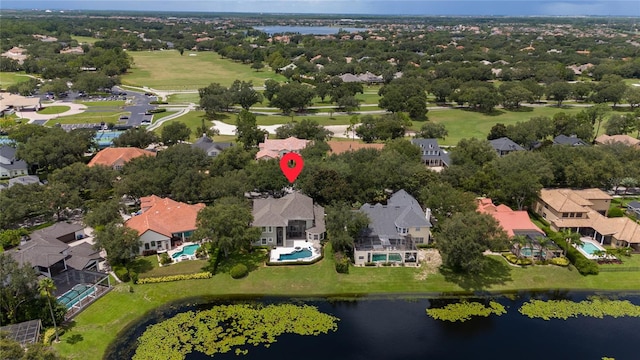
column 383, row 257
column 299, row 254
column 189, row 250
column 76, row 294
column 590, row 248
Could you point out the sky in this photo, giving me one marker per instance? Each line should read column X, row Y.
column 373, row 7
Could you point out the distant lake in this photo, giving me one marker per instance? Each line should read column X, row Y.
column 391, row 328
column 306, row 30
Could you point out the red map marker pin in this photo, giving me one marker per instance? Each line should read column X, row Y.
column 291, row 172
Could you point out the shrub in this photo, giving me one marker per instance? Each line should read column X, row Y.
column 239, row 271
column 214, row 259
column 342, row 263
column 50, row 334
column 122, row 273
column 584, row 265
column 157, row 111
column 512, row 258
column 560, row 261
column 159, row 279
column 369, row 264
column 165, row 259
column 134, row 276
column 158, row 102
column 201, row 252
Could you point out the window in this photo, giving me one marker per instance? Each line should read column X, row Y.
column 419, row 240
column 153, row 243
column 316, row 237
column 263, row 241
column 361, row 257
column 270, row 240
column 564, row 215
column 269, row 229
column 146, row 246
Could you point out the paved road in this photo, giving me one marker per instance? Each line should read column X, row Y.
column 137, row 104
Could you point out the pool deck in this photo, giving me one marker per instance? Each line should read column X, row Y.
column 594, row 243
column 184, row 256
column 274, row 255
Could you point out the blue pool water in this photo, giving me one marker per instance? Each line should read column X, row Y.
column 304, row 253
column 187, row 250
column 76, row 294
column 590, row 248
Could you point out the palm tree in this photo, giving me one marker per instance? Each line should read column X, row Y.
column 46, row 288
column 519, row 241
column 571, row 237
column 543, row 242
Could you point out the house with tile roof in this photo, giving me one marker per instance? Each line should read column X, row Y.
column 572, row 140
column 10, row 166
column 339, row 147
column 394, row 230
column 291, row 217
column 505, row 146
column 622, row 139
column 163, row 223
column 275, row 148
column 585, row 211
column 433, row 156
column 210, row 147
column 116, row 157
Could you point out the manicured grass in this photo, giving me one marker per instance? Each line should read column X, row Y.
column 92, row 331
column 462, row 123
column 183, row 98
column 168, row 70
column 110, row 103
column 152, row 269
column 84, row 39
column 90, row 117
column 10, row 78
column 50, row 110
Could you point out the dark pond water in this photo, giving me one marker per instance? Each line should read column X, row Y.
column 306, row 30
column 398, row 328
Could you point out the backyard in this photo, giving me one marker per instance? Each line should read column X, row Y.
column 92, row 331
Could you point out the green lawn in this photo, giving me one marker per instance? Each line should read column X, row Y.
column 148, row 267
column 84, row 39
column 183, row 98
column 90, row 117
column 110, row 103
column 92, row 331
column 166, row 70
column 10, row 78
column 56, row 109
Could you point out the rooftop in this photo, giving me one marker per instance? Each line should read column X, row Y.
column 118, row 156
column 164, row 216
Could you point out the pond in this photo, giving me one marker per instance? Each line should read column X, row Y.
column 399, row 328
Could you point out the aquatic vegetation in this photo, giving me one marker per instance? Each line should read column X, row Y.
column 230, row 327
column 564, row 309
column 464, row 311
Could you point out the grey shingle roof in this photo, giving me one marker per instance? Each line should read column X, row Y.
column 57, row 230
column 505, row 144
column 81, row 255
column 402, row 210
column 569, row 140
column 207, row 144
column 277, row 212
column 24, row 180
column 431, row 145
column 39, row 252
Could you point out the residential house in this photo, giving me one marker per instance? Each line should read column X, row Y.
column 25, row 180
column 16, row 53
column 339, row 147
column 518, row 223
column 622, row 139
column 274, row 149
column 163, row 223
column 585, row 212
column 350, row 78
column 394, row 230
column 432, row 154
column 48, row 252
column 11, row 167
column 504, row 146
column 572, row 140
column 633, row 208
column 116, row 157
column 210, row 147
column 291, row 217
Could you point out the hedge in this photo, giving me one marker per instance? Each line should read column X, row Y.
column 50, row 334
column 122, row 273
column 157, row 111
column 512, row 258
column 342, row 263
column 584, row 265
column 560, row 261
column 159, row 279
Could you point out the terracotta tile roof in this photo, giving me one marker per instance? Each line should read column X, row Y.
column 621, row 228
column 164, row 216
column 339, row 147
column 115, row 156
column 624, row 139
column 274, row 148
column 508, row 219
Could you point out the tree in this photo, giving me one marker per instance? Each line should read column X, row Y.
column 227, row 224
column 497, row 131
column 621, row 124
column 344, row 226
column 174, row 133
column 385, row 127
column 571, row 238
column 513, row 94
column 348, row 103
column 442, row 88
column 92, row 82
column 633, row 96
column 558, row 91
column 519, row 241
column 293, row 96
column 519, row 177
column 247, row 131
column 206, row 130
column 404, row 96
column 445, row 201
column 610, row 89
column 463, row 238
column 121, row 243
column 55, row 149
column 271, row 87
column 46, row 287
column 215, row 98
column 430, row 130
column 305, row 129
column 16, row 289
column 136, row 137
column 257, row 65
column 11, row 349
column 242, row 93
column 104, row 213
column 57, row 87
